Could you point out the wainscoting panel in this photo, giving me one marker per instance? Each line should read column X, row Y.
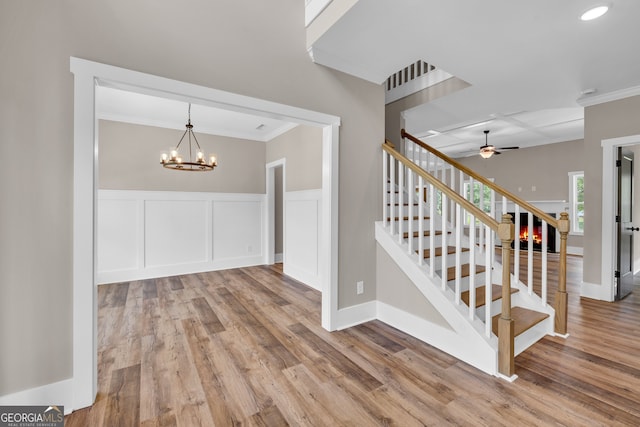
column 301, row 236
column 118, row 235
column 175, row 232
column 237, row 229
column 147, row 234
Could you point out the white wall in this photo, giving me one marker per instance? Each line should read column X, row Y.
column 302, row 236
column 145, row 234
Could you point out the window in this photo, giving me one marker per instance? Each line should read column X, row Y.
column 478, row 189
column 576, row 202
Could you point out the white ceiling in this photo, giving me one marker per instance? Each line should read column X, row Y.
column 528, row 62
column 131, row 107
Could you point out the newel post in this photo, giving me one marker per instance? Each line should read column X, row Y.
column 506, row 352
column 561, row 294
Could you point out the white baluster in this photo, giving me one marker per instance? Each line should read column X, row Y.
column 472, row 264
column 411, row 192
column 392, row 189
column 385, row 187
column 491, row 249
column 458, row 252
column 516, row 243
column 421, row 220
column 443, row 241
column 544, row 264
column 400, row 202
column 432, row 228
column 481, row 239
column 530, row 254
column 488, row 281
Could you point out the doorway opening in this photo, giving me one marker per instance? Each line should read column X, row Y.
column 609, row 256
column 87, row 75
column 276, row 178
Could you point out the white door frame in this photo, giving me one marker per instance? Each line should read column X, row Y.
column 609, row 191
column 87, row 75
column 271, row 208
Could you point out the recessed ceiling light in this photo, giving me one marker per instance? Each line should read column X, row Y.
column 594, row 12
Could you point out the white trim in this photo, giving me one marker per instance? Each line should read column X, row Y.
column 312, row 9
column 278, row 258
column 270, row 217
column 575, row 250
column 356, row 315
column 573, row 175
column 58, row 393
column 608, row 97
column 299, row 260
column 328, row 252
column 608, row 243
column 454, row 343
column 109, row 273
column 595, row 291
column 86, row 75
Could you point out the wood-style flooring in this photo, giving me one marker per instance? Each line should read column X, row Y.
column 245, row 347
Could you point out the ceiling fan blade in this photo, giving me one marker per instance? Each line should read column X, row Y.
column 497, row 152
column 508, row 148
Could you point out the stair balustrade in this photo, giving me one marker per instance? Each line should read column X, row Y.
column 425, row 185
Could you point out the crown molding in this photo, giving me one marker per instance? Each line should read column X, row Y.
column 588, row 101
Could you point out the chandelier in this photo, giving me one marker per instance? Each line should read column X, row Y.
column 174, row 159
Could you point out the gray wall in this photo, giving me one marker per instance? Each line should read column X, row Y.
column 302, row 147
column 544, row 167
column 130, row 160
column 609, row 120
column 241, row 46
column 397, row 290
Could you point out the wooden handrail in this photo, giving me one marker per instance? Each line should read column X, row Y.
column 529, row 207
column 452, row 194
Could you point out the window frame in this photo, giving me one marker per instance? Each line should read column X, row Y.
column 488, row 203
column 574, row 203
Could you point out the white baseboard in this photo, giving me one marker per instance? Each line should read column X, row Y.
column 59, row 393
column 308, row 278
column 278, row 258
column 106, row 277
column 595, row 291
column 356, row 315
column 575, row 250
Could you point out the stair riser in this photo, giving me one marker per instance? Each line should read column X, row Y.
column 414, row 223
column 451, row 260
column 496, row 307
column 437, row 240
column 404, row 210
column 464, row 282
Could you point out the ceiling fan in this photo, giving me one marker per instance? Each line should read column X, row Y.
column 487, row 150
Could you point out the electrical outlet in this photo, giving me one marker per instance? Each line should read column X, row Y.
column 360, row 287
column 249, row 248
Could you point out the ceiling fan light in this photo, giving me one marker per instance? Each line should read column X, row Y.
column 485, row 153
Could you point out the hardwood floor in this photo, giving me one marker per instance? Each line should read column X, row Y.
column 245, row 347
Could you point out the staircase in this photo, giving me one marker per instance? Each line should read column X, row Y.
column 447, row 240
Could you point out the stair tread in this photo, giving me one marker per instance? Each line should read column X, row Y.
column 450, row 250
column 524, row 319
column 404, row 204
column 427, row 233
column 496, row 294
column 464, row 271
